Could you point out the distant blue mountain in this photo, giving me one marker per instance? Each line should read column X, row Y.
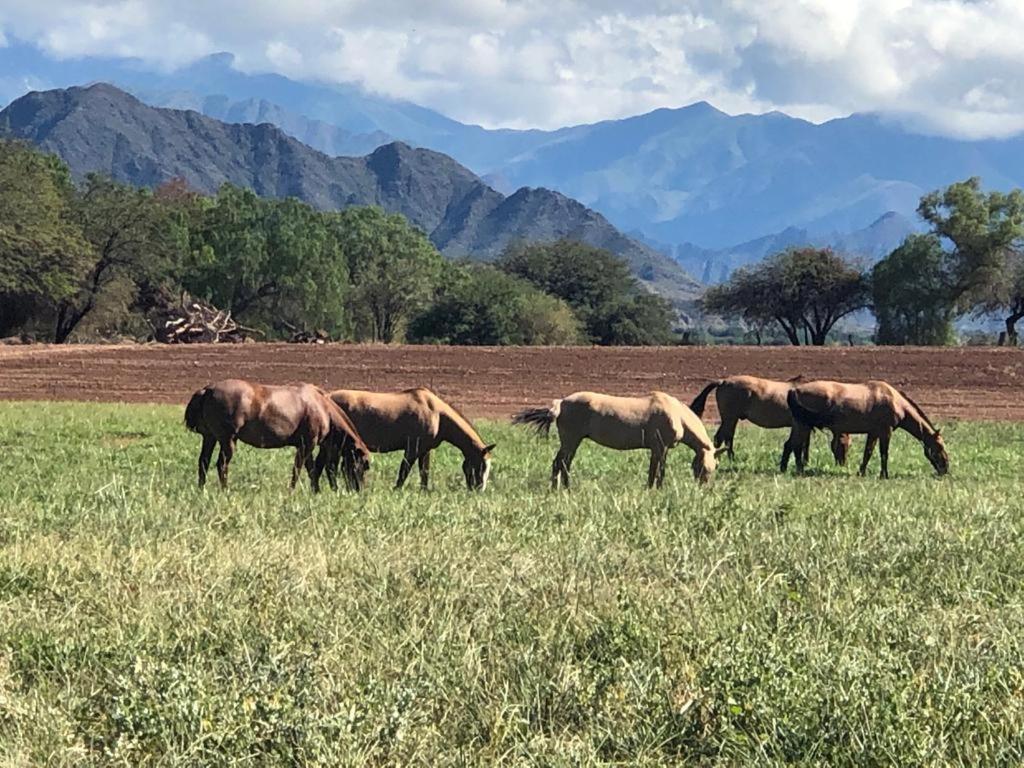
column 866, row 245
column 689, row 178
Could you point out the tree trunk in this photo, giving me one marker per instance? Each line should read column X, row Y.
column 1011, row 327
column 790, row 330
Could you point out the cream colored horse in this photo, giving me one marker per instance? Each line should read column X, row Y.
column 415, row 421
column 875, row 409
column 655, row 423
column 761, row 402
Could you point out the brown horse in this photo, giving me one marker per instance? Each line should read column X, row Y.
column 275, row 417
column 656, row 423
column 875, row 409
column 415, row 421
column 761, row 402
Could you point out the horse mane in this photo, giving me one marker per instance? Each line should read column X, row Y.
column 454, row 413
column 920, row 411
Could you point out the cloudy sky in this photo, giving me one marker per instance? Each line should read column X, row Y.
column 949, row 66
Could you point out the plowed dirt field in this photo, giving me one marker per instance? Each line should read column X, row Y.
column 975, row 383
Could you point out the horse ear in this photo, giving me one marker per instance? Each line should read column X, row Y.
column 938, row 432
column 488, row 448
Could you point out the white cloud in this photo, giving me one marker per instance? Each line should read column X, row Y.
column 952, row 65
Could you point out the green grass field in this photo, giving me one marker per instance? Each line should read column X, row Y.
column 765, row 619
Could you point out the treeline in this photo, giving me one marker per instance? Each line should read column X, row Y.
column 970, row 263
column 102, row 259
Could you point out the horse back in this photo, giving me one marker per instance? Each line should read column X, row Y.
column 761, row 401
column 387, row 421
column 624, row 423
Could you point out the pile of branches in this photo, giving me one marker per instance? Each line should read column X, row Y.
column 303, row 336
column 197, row 322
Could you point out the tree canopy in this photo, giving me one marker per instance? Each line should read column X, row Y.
column 610, row 303
column 985, row 229
column 806, row 291
column 480, row 305
column 911, row 294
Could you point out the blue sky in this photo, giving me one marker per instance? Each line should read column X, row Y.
column 949, row 66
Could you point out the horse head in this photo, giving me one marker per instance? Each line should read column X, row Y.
column 705, row 463
column 355, row 462
column 935, row 451
column 841, row 447
column 477, row 467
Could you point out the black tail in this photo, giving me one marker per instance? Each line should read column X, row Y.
column 701, row 400
column 194, row 410
column 540, row 419
column 803, row 415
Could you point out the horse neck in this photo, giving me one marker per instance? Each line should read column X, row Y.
column 459, row 432
column 915, row 423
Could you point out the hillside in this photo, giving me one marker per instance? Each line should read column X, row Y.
column 867, row 245
column 101, row 128
column 692, row 176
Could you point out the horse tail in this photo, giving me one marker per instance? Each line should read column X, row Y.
column 701, row 400
column 540, row 419
column 194, row 410
column 804, row 416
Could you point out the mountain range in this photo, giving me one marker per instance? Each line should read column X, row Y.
column 710, row 188
column 100, row 128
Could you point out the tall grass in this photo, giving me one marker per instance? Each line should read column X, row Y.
column 766, row 619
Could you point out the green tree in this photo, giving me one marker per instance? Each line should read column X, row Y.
column 313, row 284
column 130, row 240
column 480, row 305
column 393, row 267
column 985, row 229
column 276, row 265
column 611, row 304
column 911, row 294
column 806, row 291
column 42, row 251
column 230, row 262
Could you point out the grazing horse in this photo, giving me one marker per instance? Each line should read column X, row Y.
column 761, row 402
column 275, row 417
column 656, row 423
column 415, row 421
column 875, row 409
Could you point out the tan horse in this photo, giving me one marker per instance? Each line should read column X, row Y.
column 415, row 421
column 874, row 409
column 655, row 423
column 761, row 402
column 302, row 417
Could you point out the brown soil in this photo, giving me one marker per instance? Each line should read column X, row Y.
column 976, row 383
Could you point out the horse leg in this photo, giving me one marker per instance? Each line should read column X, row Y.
column 209, row 441
column 407, row 460
column 725, row 434
column 312, row 471
column 562, row 463
column 869, row 448
column 787, row 451
column 424, row 462
column 656, row 470
column 300, row 461
column 883, row 451
column 799, row 438
column 805, row 448
column 227, row 450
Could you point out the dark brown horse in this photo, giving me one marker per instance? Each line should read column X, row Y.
column 301, row 417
